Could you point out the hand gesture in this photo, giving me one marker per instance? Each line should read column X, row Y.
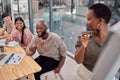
column 84, row 38
column 9, row 23
column 57, row 70
column 39, row 43
column 7, row 41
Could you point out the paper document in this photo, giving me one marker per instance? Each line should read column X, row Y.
column 12, row 44
column 11, row 58
column 2, row 42
column 3, row 58
column 15, row 59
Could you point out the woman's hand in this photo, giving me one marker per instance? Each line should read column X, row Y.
column 84, row 38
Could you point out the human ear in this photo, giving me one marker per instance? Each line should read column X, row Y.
column 98, row 26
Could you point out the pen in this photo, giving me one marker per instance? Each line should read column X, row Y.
column 19, row 58
column 9, row 58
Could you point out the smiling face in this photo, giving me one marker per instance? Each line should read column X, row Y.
column 19, row 25
column 92, row 20
column 7, row 19
column 41, row 29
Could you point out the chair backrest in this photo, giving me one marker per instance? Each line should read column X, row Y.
column 109, row 61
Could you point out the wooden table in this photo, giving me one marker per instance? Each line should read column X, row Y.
column 27, row 67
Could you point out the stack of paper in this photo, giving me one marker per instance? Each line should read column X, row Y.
column 10, row 44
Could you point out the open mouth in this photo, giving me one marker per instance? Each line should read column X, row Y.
column 39, row 33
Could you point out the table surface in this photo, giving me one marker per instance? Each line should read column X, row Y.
column 14, row 71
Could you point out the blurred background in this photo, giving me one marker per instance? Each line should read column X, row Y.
column 67, row 18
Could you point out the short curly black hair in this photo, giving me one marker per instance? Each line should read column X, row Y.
column 101, row 11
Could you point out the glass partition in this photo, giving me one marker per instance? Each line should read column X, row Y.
column 0, row 13
column 20, row 8
column 118, row 8
column 69, row 16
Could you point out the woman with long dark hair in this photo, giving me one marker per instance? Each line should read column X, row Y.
column 21, row 34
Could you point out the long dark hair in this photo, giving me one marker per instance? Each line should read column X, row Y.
column 20, row 19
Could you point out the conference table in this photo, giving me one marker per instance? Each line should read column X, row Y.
column 27, row 67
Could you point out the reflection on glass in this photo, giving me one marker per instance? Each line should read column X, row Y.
column 118, row 7
column 20, row 8
column 67, row 25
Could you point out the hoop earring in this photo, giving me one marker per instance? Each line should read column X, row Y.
column 98, row 26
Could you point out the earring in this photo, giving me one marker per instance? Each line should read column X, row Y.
column 98, row 26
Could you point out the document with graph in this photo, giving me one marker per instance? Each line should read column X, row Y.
column 12, row 58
